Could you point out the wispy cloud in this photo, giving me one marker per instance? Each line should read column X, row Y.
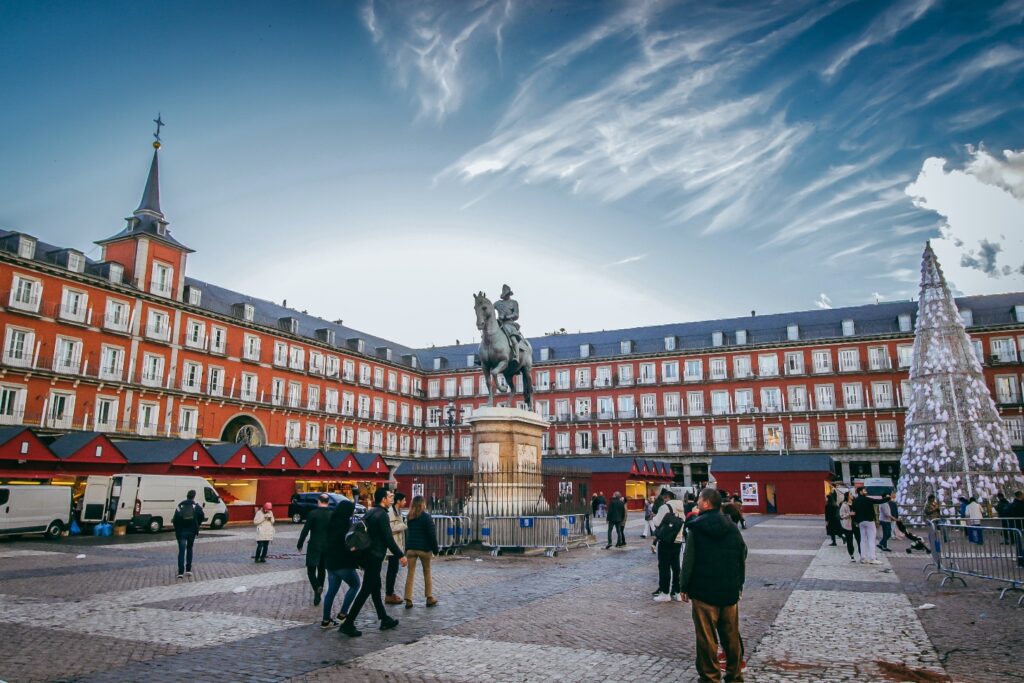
column 628, row 259
column 882, row 29
column 823, row 301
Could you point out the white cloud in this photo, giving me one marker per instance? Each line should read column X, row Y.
column 881, row 30
column 823, row 301
column 981, row 247
column 628, row 259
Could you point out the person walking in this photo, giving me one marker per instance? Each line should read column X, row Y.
column 420, row 544
column 846, row 524
column 832, row 526
column 668, row 532
column 602, row 505
column 864, row 518
column 974, row 514
column 885, row 519
column 188, row 516
column 378, row 528
column 339, row 563
column 398, row 527
column 1003, row 512
column 317, row 522
column 648, row 516
column 616, row 520
column 713, row 572
column 264, row 521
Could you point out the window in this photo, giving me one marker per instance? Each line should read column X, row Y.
column 853, row 396
column 160, row 283
column 106, row 414
column 822, row 360
column 292, row 433
column 694, row 403
column 693, row 370
column 73, row 305
column 393, row 411
column 365, row 372
column 188, row 418
column 25, row 294
column 887, row 435
column 195, row 296
column 277, row 391
column 450, row 387
column 671, row 404
column 348, row 401
column 116, row 273
column 648, row 405
column 718, row 368
column 881, row 394
column 467, row 385
column 626, row 406
column 251, row 348
column 717, row 338
column 296, row 358
column 605, row 407
column 67, row 355
column 825, row 397
column 719, row 402
column 768, row 365
column 111, row 363
column 673, row 440
column 378, row 409
column 800, row 435
column 625, row 347
column 979, row 352
column 215, row 381
column 12, row 404
column 771, row 399
column 650, row 440
column 195, row 334
column 741, row 337
column 392, row 381
column 378, row 377
column 696, row 438
column 905, row 322
column 856, row 434
column 604, row 376
column 316, row 362
column 561, row 379
column 967, row 317
column 545, row 353
column 149, row 417
column 26, row 247
column 312, row 397
column 18, row 347
column 312, row 434
column 1004, row 350
column 348, row 370
column 647, row 373
column 828, row 435
column 793, row 332
column 61, row 413
column 744, row 401
column 334, row 363
column 582, row 378
column 849, row 360
column 1014, row 428
column 404, row 414
column 158, row 325
column 218, row 339
column 434, row 388
column 905, row 355
column 1006, row 389
column 627, row 441
column 152, row 370
column 116, row 316
column 295, row 395
column 795, row 363
column 848, row 328
column 543, row 380
column 584, row 350
column 741, row 367
column 280, row 353
column 583, row 442
column 670, row 343
column 747, row 437
column 625, row 375
column 249, row 314
column 722, row 437
column 562, row 409
column 773, row 439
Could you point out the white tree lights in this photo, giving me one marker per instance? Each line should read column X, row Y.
column 955, row 444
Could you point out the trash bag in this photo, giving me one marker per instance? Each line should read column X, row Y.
column 103, row 529
column 74, row 529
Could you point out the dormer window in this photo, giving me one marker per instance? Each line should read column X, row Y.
column 584, row 350
column 848, row 328
column 545, row 353
column 414, row 362
column 625, row 346
column 793, row 332
column 1018, row 313
column 26, row 247
column 248, row 312
column 905, row 323
column 289, row 325
column 76, row 262
column 160, row 284
column 470, row 360
column 116, row 273
column 437, row 363
column 741, row 337
column 670, row 343
column 967, row 316
column 717, row 338
column 195, row 296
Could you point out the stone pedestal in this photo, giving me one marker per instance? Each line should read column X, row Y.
column 507, row 478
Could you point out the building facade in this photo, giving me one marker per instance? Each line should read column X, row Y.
column 132, row 346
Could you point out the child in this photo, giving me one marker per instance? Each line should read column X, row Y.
column 264, row 521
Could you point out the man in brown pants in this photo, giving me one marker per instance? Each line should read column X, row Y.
column 714, row 568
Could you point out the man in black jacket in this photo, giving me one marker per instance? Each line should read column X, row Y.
column 378, row 527
column 616, row 520
column 187, row 518
column 864, row 519
column 714, row 569
column 317, row 522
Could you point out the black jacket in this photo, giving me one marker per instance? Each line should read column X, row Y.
column 714, row 562
column 317, row 521
column 864, row 509
column 617, row 511
column 378, row 526
column 336, row 553
column 421, row 534
column 183, row 528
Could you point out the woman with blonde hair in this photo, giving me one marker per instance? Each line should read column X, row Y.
column 420, row 544
column 264, row 521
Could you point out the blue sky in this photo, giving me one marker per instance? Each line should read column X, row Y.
column 617, row 163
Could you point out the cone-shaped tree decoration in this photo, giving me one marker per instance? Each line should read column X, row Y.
column 955, row 443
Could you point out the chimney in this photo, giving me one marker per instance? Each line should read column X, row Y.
column 753, row 313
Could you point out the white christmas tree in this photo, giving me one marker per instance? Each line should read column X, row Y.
column 955, row 443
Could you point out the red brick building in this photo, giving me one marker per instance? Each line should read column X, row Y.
column 132, row 346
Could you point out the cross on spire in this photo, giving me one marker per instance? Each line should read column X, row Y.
column 159, row 122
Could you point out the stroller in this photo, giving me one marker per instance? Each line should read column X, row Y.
column 916, row 541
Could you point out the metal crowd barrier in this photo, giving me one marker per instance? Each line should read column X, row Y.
column 453, row 532
column 550, row 533
column 987, row 551
column 578, row 534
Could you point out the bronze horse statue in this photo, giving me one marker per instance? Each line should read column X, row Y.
column 495, row 353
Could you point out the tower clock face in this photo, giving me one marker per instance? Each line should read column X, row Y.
column 249, row 435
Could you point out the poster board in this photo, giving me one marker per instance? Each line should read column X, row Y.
column 748, row 492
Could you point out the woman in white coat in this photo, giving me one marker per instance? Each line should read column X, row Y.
column 264, row 521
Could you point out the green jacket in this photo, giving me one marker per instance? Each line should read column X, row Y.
column 714, row 562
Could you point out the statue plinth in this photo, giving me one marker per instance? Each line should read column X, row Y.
column 507, row 478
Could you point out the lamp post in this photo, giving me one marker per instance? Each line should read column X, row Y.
column 449, row 420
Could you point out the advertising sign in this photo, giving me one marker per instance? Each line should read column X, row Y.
column 748, row 492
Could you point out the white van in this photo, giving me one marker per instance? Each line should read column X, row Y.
column 35, row 509
column 148, row 501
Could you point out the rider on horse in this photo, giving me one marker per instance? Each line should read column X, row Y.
column 507, row 310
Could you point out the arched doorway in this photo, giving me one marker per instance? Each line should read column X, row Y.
column 244, row 429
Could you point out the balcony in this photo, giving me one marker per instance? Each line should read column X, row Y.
column 248, row 395
column 296, row 364
column 160, row 288
column 692, row 378
column 1006, row 397
column 647, row 380
column 111, row 373
column 196, row 342
column 116, row 323
column 24, row 300
column 348, row 376
column 583, row 384
column 215, row 389
column 151, row 379
column 160, row 332
column 74, row 314
column 252, row 355
column 792, row 370
column 625, row 381
column 822, row 369
column 68, row 365
column 17, row 358
column 884, row 363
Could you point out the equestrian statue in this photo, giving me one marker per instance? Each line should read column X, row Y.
column 503, row 349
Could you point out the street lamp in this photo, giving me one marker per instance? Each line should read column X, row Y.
column 449, row 420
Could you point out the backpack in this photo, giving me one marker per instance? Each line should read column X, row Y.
column 357, row 539
column 669, row 527
column 187, row 512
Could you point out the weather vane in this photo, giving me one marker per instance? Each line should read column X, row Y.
column 156, row 135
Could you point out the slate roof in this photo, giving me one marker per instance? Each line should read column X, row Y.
column 303, row 455
column 365, row 460
column 67, row 445
column 8, row 433
column 163, row 451
column 597, row 464
column 814, row 462
column 266, row 454
column 222, row 452
column 335, row 458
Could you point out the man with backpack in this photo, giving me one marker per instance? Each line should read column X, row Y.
column 187, row 518
column 373, row 532
column 668, row 534
column 317, row 522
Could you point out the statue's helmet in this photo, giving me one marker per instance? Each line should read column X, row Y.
column 505, row 291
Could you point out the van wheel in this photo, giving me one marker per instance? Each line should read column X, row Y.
column 217, row 522
column 297, row 518
column 55, row 529
column 155, row 525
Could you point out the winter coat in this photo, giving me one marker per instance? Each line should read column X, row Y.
column 336, row 553
column 398, row 527
column 675, row 506
column 421, row 534
column 885, row 513
column 714, row 562
column 317, row 522
column 832, row 521
column 183, row 528
column 864, row 509
column 845, row 515
column 974, row 512
column 382, row 541
column 264, row 522
column 617, row 511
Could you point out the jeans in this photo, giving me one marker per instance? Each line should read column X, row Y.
column 848, row 537
column 370, row 589
column 586, row 524
column 619, row 528
column 668, row 567
column 185, row 553
column 335, row 577
column 261, row 550
column 867, row 541
column 715, row 624
column 886, row 534
column 392, row 574
column 428, row 585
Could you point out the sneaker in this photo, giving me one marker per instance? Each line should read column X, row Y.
column 188, row 575
column 677, row 597
column 388, row 623
column 853, row 559
column 662, row 597
column 874, row 562
column 341, row 617
column 179, row 577
column 888, row 550
column 328, row 624
column 349, row 630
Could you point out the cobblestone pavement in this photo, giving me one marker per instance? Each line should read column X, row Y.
column 93, row 609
